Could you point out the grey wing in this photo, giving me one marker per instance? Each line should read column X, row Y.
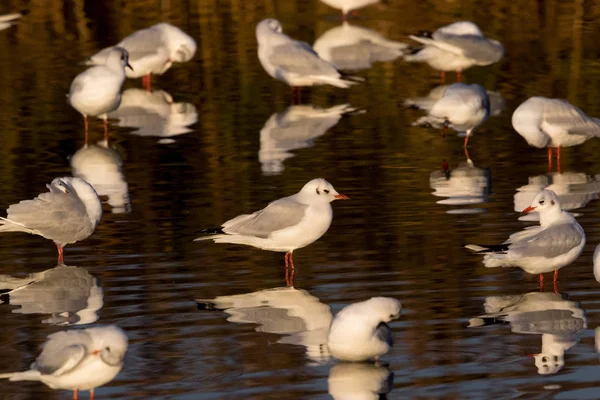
column 143, row 43
column 50, row 214
column 278, row 215
column 559, row 112
column 477, row 48
column 62, row 352
column 556, row 322
column 551, row 242
column 384, row 333
column 300, row 58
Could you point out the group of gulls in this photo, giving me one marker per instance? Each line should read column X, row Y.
column 71, row 209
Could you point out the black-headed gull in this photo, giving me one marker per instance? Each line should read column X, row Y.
column 284, row 225
column 68, row 213
column 462, row 107
column 348, row 5
column 71, row 295
column 294, row 62
column 294, row 313
column 78, row 359
column 153, row 51
column 456, row 47
column 295, row 128
column 97, row 90
column 550, row 123
column 555, row 243
column 551, row 315
column 348, row 381
column 360, row 332
column 354, row 48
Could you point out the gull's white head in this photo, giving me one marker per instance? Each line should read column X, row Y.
column 182, row 46
column 85, row 192
column 544, row 202
column 118, row 59
column 268, row 26
column 386, row 309
column 319, row 190
column 527, row 120
column 110, row 343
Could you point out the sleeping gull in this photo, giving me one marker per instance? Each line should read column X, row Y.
column 551, row 315
column 78, row 359
column 97, row 90
column 348, row 5
column 456, row 47
column 284, row 225
column 152, row 51
column 360, row 332
column 294, row 62
column 553, row 244
column 425, row 103
column 353, row 48
column 462, row 107
column 68, row 213
column 545, row 122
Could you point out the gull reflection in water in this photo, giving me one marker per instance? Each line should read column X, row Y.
column 463, row 185
column 295, row 128
column 359, row 381
column 101, row 166
column 354, row 48
column 154, row 114
column 71, row 295
column 295, row 313
column 574, row 191
column 497, row 103
column 550, row 315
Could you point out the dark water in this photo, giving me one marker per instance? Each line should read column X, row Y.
column 142, row 271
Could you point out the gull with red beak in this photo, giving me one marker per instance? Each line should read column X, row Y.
column 284, row 225
column 555, row 243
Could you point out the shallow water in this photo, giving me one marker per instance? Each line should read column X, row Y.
column 142, row 271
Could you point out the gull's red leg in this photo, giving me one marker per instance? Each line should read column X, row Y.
column 443, row 77
column 92, row 394
column 286, row 260
column 541, row 282
column 466, row 141
column 549, row 159
column 459, row 76
column 292, row 261
column 75, row 394
column 105, row 128
column 558, row 169
column 555, row 276
column 61, row 259
column 146, row 82
column 85, row 123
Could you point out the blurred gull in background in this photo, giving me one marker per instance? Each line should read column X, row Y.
column 154, row 114
column 295, row 128
column 101, row 166
column 455, row 47
column 152, row 51
column 354, row 48
column 71, row 295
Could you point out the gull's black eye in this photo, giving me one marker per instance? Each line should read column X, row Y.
column 318, row 192
column 541, row 202
column 392, row 316
column 326, row 190
column 107, row 348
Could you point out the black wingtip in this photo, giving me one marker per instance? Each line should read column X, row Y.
column 205, row 305
column 212, row 231
column 414, row 50
column 492, row 248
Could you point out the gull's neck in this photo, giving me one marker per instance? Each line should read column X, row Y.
column 553, row 216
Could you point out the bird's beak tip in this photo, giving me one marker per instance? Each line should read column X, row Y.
column 130, row 67
column 341, row 197
column 527, row 210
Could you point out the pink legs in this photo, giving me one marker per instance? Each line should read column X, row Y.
column 105, row 129
column 289, row 272
column 558, row 167
column 75, row 394
column 61, row 258
column 85, row 123
column 443, row 77
column 147, row 82
column 92, row 394
column 555, row 281
column 296, row 94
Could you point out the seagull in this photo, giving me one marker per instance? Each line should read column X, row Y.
column 553, row 244
column 455, row 47
column 8, row 20
column 545, row 122
column 78, row 359
column 102, row 167
column 97, row 90
column 71, row 295
column 288, row 311
column 462, row 107
column 360, row 332
column 353, row 48
column 284, row 225
column 357, row 381
column 295, row 128
column 348, row 5
column 152, row 51
column 66, row 214
column 551, row 315
column 294, row 62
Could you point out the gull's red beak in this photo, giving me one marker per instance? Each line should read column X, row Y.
column 95, row 352
column 341, row 197
column 527, row 210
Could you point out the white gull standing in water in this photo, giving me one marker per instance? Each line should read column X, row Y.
column 545, row 122
column 360, row 332
column 294, row 62
column 68, row 213
column 456, row 47
column 78, row 359
column 462, row 107
column 97, row 90
column 555, row 243
column 284, row 225
column 152, row 51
